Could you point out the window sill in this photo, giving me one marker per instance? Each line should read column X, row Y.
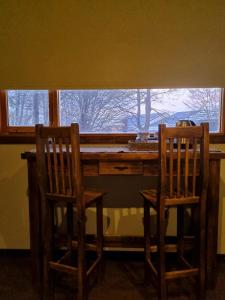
column 95, row 138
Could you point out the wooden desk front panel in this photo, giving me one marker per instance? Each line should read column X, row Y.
column 145, row 168
column 98, row 168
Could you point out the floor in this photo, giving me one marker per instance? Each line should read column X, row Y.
column 124, row 280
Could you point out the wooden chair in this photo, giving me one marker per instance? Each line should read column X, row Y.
column 60, row 182
column 183, row 180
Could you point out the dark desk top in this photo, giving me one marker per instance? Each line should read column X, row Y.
column 119, row 152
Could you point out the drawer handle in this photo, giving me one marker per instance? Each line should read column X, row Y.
column 120, row 168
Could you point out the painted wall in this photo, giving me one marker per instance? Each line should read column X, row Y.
column 122, row 192
column 112, row 43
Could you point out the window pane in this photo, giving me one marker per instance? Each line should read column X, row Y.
column 139, row 109
column 28, row 107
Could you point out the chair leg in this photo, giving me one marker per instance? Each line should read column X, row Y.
column 162, row 287
column 180, row 230
column 202, row 250
column 202, row 286
column 70, row 228
column 82, row 277
column 47, row 292
column 147, row 239
column 52, row 286
column 99, row 223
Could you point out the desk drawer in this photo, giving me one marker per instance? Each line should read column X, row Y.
column 120, row 167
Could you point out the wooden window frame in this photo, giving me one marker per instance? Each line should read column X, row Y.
column 25, row 134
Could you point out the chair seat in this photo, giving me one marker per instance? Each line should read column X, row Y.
column 151, row 196
column 89, row 196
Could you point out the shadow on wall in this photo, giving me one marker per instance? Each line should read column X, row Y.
column 122, row 191
column 123, row 221
column 129, row 221
column 122, row 203
column 61, row 223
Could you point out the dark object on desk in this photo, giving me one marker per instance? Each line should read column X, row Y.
column 185, row 123
column 178, row 187
column 153, row 145
column 60, row 183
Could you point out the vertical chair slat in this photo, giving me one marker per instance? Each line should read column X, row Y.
column 194, row 166
column 62, row 166
column 178, row 165
column 56, row 175
column 171, row 167
column 186, row 171
column 49, row 165
column 162, row 158
column 68, row 162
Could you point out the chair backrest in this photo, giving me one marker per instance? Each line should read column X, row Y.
column 183, row 154
column 58, row 160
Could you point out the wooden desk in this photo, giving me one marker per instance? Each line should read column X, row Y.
column 118, row 160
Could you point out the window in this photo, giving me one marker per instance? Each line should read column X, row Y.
column 27, row 107
column 137, row 110
column 111, row 113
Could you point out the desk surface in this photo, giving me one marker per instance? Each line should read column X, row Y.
column 119, row 152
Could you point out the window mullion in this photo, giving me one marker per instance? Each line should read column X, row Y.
column 53, row 108
column 222, row 112
column 3, row 111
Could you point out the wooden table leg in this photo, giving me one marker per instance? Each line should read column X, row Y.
column 35, row 230
column 212, row 222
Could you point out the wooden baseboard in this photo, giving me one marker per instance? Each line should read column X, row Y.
column 221, row 257
column 119, row 245
column 14, row 252
column 112, row 254
column 116, row 241
column 134, row 242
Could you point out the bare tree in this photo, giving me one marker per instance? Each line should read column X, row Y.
column 205, row 100
column 112, row 110
column 27, row 107
column 147, row 100
column 96, row 110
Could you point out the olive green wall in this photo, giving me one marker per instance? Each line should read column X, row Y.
column 122, row 191
column 112, row 43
